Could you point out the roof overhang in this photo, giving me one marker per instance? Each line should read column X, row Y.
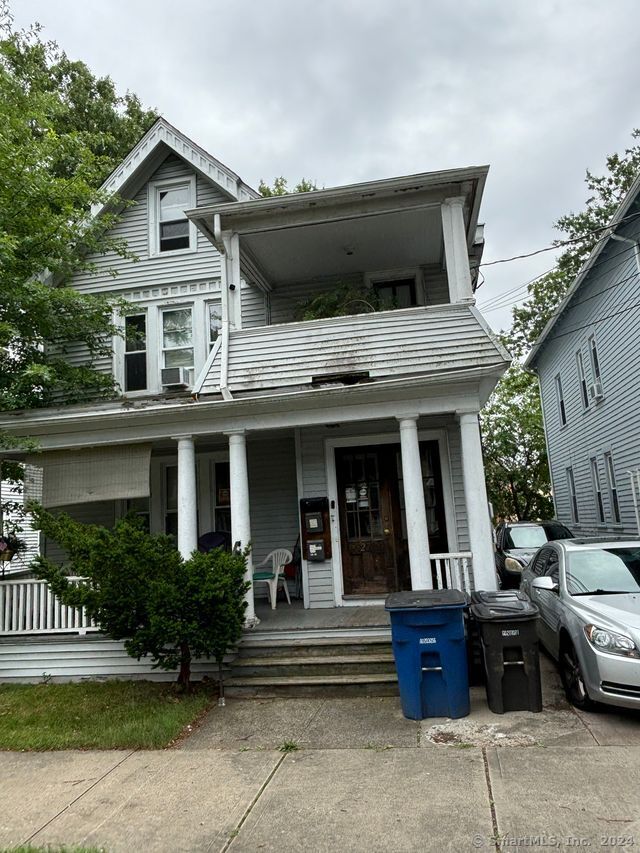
column 619, row 216
column 149, row 153
column 383, row 224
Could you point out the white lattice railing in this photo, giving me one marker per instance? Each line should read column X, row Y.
column 453, row 571
column 29, row 607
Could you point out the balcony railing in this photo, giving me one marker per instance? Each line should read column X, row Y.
column 30, row 607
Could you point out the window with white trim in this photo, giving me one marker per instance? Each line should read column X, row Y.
column 595, row 363
column 135, row 355
column 613, row 488
column 571, row 483
column 169, row 229
column 597, row 490
column 214, row 323
column 177, row 337
column 584, row 391
column 560, row 397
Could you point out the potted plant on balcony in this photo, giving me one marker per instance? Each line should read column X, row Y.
column 10, row 545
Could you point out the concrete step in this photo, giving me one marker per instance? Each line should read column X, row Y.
column 372, row 684
column 329, row 647
column 355, row 664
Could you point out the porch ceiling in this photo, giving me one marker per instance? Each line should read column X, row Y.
column 409, row 238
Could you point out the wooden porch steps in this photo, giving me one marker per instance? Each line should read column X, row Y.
column 331, row 667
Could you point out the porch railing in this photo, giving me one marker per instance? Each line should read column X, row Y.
column 453, row 571
column 30, row 607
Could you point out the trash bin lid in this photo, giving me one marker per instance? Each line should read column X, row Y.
column 421, row 599
column 503, row 604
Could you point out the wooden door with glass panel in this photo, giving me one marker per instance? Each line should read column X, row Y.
column 369, row 520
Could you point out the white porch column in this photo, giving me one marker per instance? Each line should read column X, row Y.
column 187, row 499
column 455, row 250
column 475, row 495
column 417, row 532
column 240, row 516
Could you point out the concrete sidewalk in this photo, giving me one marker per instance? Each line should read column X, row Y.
column 357, row 776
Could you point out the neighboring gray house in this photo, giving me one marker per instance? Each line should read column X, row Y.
column 587, row 363
column 234, row 414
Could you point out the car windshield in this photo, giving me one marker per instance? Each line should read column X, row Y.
column 535, row 535
column 603, row 570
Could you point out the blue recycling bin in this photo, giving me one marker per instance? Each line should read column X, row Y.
column 427, row 631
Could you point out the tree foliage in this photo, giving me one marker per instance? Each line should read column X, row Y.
column 139, row 589
column 513, row 436
column 514, row 448
column 62, row 130
column 280, row 186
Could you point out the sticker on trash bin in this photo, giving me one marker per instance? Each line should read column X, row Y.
column 511, row 632
column 427, row 641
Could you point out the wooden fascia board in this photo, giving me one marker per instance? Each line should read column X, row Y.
column 347, row 202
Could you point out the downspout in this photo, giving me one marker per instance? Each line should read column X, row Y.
column 224, row 332
column 634, row 243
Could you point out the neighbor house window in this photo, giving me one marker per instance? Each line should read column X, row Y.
column 169, row 228
column 595, row 476
column 613, row 489
column 135, row 356
column 571, row 483
column 177, row 338
column 595, row 364
column 560, row 396
column 584, row 392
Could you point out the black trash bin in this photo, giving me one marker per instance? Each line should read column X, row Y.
column 507, row 623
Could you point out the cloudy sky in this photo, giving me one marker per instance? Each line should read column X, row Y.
column 362, row 89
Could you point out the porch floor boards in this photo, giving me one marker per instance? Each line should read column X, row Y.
column 295, row 618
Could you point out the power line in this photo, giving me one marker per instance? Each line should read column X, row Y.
column 599, row 320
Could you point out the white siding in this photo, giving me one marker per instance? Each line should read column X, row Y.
column 253, row 307
column 160, row 269
column 21, row 561
column 388, row 344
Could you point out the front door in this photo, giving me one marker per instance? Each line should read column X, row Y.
column 375, row 554
column 369, row 521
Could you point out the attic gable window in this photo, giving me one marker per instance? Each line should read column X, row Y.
column 169, row 229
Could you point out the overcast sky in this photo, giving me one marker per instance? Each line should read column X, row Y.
column 363, row 89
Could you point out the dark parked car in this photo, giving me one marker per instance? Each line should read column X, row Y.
column 518, row 541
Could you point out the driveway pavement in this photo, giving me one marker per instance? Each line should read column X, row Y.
column 343, row 775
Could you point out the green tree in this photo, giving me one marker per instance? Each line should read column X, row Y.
column 515, row 453
column 280, row 187
column 513, row 437
column 139, row 589
column 63, row 131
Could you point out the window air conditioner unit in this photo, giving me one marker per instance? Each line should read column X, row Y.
column 175, row 377
column 595, row 391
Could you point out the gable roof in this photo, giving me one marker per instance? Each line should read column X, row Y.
column 597, row 250
column 145, row 157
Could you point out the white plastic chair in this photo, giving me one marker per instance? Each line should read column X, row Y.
column 274, row 576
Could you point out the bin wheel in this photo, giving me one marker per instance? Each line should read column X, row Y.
column 572, row 678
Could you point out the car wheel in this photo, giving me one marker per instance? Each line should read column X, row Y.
column 572, row 679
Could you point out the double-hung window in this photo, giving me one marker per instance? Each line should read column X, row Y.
column 582, row 378
column 613, row 488
column 214, row 323
column 595, row 367
column 177, row 338
column 595, row 476
column 561, row 407
column 571, row 483
column 169, row 228
column 135, row 355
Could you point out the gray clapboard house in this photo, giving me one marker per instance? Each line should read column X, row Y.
column 354, row 437
column 586, row 361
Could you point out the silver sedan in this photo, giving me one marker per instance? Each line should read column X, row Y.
column 588, row 594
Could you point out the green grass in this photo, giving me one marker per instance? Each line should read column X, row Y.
column 107, row 715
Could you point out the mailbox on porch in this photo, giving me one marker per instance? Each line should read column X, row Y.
column 315, row 527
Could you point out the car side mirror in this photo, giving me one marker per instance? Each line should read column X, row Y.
column 545, row 582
